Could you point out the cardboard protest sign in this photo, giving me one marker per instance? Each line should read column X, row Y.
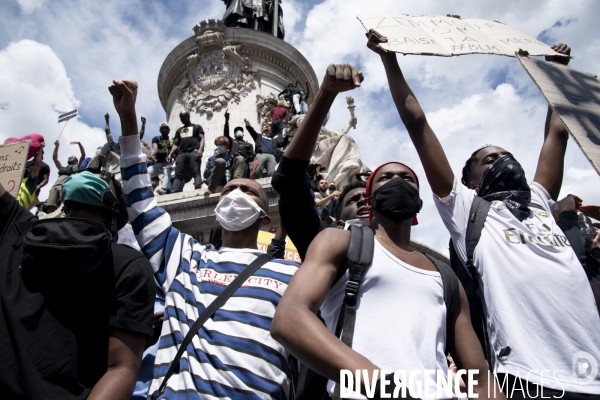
column 13, row 158
column 575, row 96
column 442, row 35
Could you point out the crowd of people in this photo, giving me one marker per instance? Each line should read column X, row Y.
column 114, row 302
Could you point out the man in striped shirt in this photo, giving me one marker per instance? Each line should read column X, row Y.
column 232, row 355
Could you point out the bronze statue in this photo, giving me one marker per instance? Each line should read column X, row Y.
column 254, row 14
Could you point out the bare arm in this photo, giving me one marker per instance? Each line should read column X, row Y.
column 551, row 164
column 109, row 137
column 174, row 149
column 338, row 78
column 463, row 345
column 323, row 201
column 82, row 151
column 35, row 170
column 55, row 155
column 143, row 130
column 124, row 359
column 154, row 152
column 295, row 324
column 124, row 95
column 201, row 147
column 436, row 165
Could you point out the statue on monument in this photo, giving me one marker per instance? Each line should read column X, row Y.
column 254, row 14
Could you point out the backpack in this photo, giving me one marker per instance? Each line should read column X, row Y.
column 311, row 385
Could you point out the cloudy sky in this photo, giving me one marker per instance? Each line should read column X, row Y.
column 61, row 54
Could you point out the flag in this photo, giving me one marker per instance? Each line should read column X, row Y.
column 67, row 116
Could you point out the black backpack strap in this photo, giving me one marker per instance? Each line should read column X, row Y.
column 359, row 259
column 451, row 291
column 477, row 215
column 208, row 312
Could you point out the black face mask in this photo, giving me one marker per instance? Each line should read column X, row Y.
column 397, row 200
column 505, row 181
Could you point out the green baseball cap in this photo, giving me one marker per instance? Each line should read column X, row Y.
column 86, row 188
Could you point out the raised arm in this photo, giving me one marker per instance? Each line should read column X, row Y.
column 295, row 324
column 143, row 130
column 151, row 224
column 463, row 345
column 55, row 154
column 226, row 127
column 35, row 170
column 109, row 137
column 251, row 130
column 438, row 171
column 551, row 164
column 82, row 151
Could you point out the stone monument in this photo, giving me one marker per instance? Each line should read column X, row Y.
column 224, row 68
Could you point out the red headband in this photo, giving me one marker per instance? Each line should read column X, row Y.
column 370, row 183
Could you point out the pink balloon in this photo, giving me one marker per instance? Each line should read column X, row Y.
column 34, row 146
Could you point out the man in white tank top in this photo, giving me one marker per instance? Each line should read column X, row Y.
column 541, row 316
column 401, row 316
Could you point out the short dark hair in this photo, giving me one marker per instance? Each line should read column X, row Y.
column 184, row 112
column 222, row 139
column 351, row 186
column 467, row 171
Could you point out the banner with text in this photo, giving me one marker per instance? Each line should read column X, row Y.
column 575, row 96
column 442, row 35
column 13, row 158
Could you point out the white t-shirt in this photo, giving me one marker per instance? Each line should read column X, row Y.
column 400, row 318
column 538, row 300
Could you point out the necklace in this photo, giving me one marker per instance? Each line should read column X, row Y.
column 394, row 247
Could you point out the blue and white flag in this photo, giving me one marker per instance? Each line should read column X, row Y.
column 67, row 116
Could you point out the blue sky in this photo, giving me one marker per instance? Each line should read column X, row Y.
column 61, row 54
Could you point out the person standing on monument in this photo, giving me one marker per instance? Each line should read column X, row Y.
column 189, row 147
column 161, row 147
column 249, row 362
column 538, row 305
column 266, row 147
column 242, row 151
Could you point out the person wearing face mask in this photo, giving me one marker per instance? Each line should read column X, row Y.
column 401, row 320
column 76, row 305
column 538, row 307
column 232, row 355
column 242, row 151
column 218, row 164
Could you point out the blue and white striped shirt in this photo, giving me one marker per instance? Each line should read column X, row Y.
column 233, row 355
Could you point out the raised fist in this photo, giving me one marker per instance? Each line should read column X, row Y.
column 562, row 49
column 341, row 78
column 56, row 143
column 374, row 41
column 226, row 115
column 143, row 120
column 124, row 95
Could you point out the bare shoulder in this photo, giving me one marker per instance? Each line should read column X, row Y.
column 330, row 243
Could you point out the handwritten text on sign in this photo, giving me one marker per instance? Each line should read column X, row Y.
column 12, row 165
column 450, row 36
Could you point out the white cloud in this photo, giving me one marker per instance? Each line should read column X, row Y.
column 29, row 6
column 35, row 86
column 469, row 100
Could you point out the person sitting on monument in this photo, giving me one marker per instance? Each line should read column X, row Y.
column 191, row 275
column 519, row 259
column 266, row 146
column 294, row 96
column 218, row 165
column 189, row 147
column 54, row 199
column 161, row 147
column 279, row 117
column 242, row 151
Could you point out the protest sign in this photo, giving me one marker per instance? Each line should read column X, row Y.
column 13, row 158
column 575, row 96
column 442, row 35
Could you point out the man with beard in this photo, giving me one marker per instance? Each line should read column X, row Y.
column 401, row 320
column 297, row 208
column 539, row 307
column 232, row 355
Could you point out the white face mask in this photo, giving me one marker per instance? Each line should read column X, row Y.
column 237, row 211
